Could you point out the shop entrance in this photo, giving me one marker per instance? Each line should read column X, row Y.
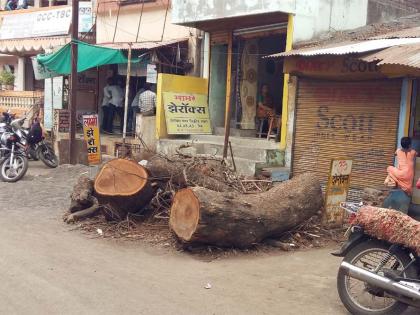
column 256, row 84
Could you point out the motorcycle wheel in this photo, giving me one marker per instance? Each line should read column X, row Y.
column 46, row 154
column 368, row 255
column 16, row 172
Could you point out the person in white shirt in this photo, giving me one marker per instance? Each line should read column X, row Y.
column 147, row 101
column 106, row 108
column 112, row 101
column 118, row 101
column 134, row 109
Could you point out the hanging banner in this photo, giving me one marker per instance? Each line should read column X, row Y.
column 337, row 190
column 186, row 113
column 91, row 135
column 53, row 99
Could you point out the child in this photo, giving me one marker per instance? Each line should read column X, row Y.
column 403, row 174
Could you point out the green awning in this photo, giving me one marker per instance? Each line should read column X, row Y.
column 89, row 56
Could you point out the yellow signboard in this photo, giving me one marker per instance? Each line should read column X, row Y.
column 186, row 113
column 337, row 190
column 91, row 134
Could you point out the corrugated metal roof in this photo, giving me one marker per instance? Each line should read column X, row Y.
column 405, row 55
column 409, row 32
column 143, row 45
column 40, row 44
column 348, row 48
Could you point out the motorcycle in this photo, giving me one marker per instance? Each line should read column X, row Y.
column 14, row 164
column 38, row 149
column 376, row 277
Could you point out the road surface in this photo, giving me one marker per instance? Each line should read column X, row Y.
column 47, row 268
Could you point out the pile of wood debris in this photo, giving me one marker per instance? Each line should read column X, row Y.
column 178, row 201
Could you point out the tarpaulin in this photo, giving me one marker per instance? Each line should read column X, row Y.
column 89, row 56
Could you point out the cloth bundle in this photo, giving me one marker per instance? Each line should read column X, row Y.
column 390, row 225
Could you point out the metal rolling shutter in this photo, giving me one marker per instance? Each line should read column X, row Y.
column 357, row 120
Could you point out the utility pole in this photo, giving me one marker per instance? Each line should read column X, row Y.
column 73, row 82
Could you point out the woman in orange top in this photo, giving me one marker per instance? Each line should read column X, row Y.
column 403, row 174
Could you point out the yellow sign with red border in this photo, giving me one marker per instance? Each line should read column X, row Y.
column 92, row 138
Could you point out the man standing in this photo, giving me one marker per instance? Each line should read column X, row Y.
column 147, row 101
column 118, row 101
column 134, row 109
column 113, row 99
column 106, row 106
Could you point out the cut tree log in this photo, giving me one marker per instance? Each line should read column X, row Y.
column 231, row 219
column 81, row 195
column 123, row 186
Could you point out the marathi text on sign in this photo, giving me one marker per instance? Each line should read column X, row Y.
column 186, row 113
column 337, row 190
column 91, row 135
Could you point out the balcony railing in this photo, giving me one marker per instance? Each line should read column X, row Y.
column 20, row 102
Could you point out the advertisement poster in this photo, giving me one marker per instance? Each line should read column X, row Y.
column 337, row 190
column 91, row 135
column 53, row 99
column 186, row 113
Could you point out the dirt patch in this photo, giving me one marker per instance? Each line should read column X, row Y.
column 156, row 233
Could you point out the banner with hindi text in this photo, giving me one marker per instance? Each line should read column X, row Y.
column 186, row 113
column 91, row 135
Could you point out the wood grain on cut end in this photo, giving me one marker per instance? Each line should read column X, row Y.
column 120, row 177
column 185, row 214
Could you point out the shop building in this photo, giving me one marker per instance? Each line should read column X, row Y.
column 145, row 28
column 237, row 35
column 24, row 33
column 353, row 99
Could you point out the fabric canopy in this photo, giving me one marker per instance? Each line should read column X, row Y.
column 89, row 56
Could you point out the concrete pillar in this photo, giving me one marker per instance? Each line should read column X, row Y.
column 37, row 3
column 20, row 75
column 206, row 55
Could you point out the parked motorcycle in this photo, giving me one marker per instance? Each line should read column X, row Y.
column 14, row 164
column 376, row 277
column 34, row 147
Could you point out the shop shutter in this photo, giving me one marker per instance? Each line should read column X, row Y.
column 357, row 120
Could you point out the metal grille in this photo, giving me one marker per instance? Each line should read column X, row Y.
column 357, row 120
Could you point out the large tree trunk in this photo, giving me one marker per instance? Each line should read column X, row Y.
column 122, row 187
column 232, row 219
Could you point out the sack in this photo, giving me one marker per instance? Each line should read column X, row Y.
column 389, row 182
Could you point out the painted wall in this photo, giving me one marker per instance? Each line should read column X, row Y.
column 202, row 10
column 151, row 27
column 316, row 17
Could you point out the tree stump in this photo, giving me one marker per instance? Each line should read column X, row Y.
column 123, row 186
column 241, row 220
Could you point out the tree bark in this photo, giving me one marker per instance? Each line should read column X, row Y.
column 81, row 195
column 232, row 219
column 86, row 213
column 123, row 186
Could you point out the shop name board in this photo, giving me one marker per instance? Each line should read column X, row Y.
column 330, row 65
column 337, row 189
column 186, row 113
column 45, row 23
column 91, row 136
